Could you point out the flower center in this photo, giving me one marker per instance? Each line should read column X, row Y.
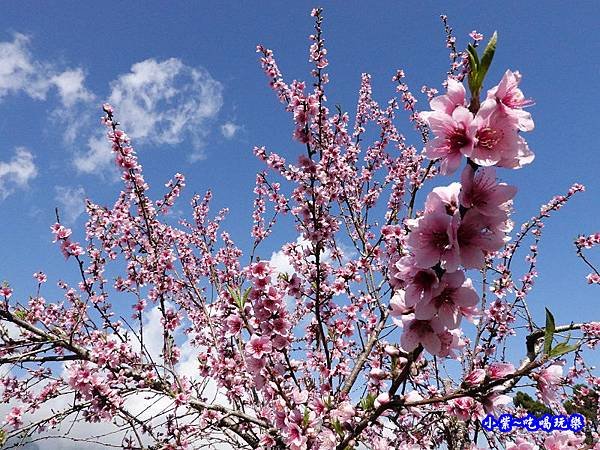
column 488, row 138
column 440, row 240
column 446, row 297
column 457, row 139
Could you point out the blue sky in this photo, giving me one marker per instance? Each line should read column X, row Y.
column 67, row 59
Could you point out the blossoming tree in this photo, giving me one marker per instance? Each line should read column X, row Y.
column 388, row 331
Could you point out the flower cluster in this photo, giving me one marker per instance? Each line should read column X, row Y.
column 269, row 326
column 464, row 222
column 489, row 136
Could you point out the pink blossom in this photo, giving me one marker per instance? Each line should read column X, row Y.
column 258, row 346
column 382, row 399
column 521, row 444
column 563, row 440
column 478, row 234
column 14, row 417
column 496, row 140
column 378, row 374
column 493, row 401
column 297, row 440
column 462, row 407
column 444, row 200
column 455, row 96
column 453, row 293
column 500, row 369
column 475, row 377
column 398, row 304
column 6, row 292
column 344, row 412
column 481, row 192
column 476, row 36
column 548, row 380
column 511, row 99
column 433, row 240
column 453, row 138
column 424, row 332
column 40, row 276
column 452, row 344
column 418, row 282
column 60, row 232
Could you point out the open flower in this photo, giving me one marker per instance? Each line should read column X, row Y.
column 453, row 138
column 455, row 96
column 511, row 100
column 496, row 140
column 563, row 440
column 453, row 293
column 444, row 200
column 424, row 332
column 500, row 370
column 548, row 380
column 433, row 240
column 418, row 282
column 258, row 346
column 478, row 234
column 482, row 192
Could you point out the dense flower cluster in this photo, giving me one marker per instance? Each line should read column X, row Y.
column 489, row 136
column 464, row 222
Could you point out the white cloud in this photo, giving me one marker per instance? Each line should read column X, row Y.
column 70, row 85
column 17, row 172
column 20, row 72
column 72, row 202
column 165, row 102
column 281, row 262
column 97, row 157
column 229, row 130
column 158, row 102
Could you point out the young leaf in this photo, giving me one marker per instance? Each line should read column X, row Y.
column 549, row 334
column 486, row 58
column 368, row 402
column 562, row 348
column 473, row 69
column 236, row 296
column 337, row 426
column 245, row 297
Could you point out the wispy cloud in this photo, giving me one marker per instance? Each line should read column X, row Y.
column 17, row 172
column 229, row 130
column 20, row 72
column 159, row 102
column 166, row 102
column 71, row 202
column 97, row 157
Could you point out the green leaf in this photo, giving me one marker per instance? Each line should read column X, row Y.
column 368, row 402
column 234, row 294
column 2, row 436
column 562, row 348
column 549, row 333
column 486, row 58
column 306, row 417
column 238, row 298
column 21, row 314
column 473, row 57
column 338, row 427
column 245, row 297
column 473, row 69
